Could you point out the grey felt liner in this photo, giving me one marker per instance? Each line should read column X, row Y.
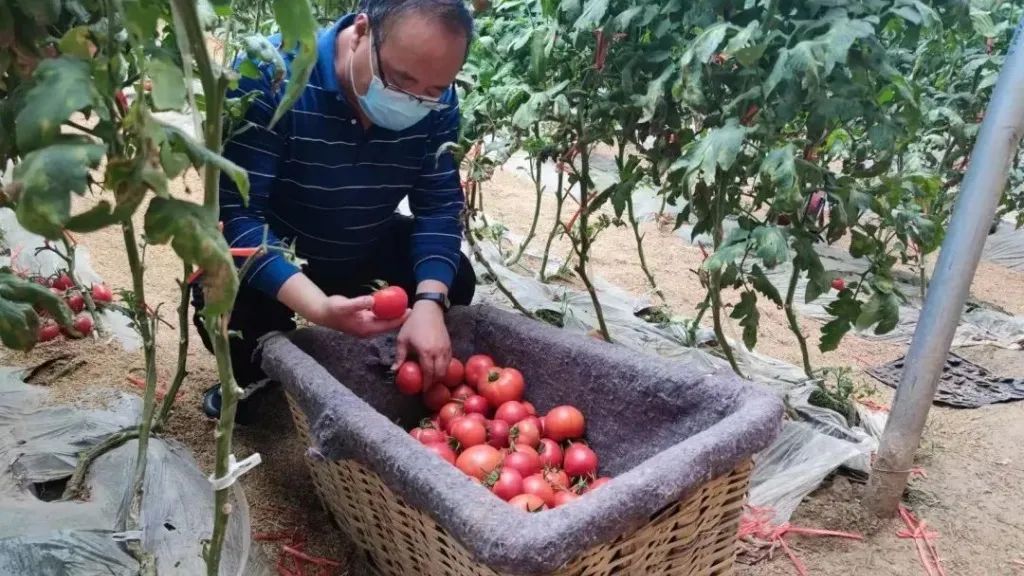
column 660, row 428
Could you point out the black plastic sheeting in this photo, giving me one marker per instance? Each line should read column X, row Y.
column 963, row 383
column 43, row 536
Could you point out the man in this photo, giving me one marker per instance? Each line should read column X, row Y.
column 369, row 131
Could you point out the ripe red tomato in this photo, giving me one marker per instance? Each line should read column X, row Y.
column 476, row 404
column 528, row 503
column 539, row 487
column 564, row 423
column 500, row 385
column 595, row 484
column 508, row 485
column 443, row 450
column 83, row 324
column 529, row 408
column 479, row 461
column 468, row 431
column 579, row 460
column 527, row 432
column 48, row 331
column 511, row 412
column 390, row 303
column 463, row 392
column 428, row 435
column 409, row 378
column 62, row 282
column 550, row 453
column 526, row 462
column 497, row 433
column 436, row 396
column 838, row 284
column 448, row 413
column 558, row 479
column 455, row 373
column 101, row 293
column 563, row 497
column 478, row 417
column 475, row 366
column 76, row 302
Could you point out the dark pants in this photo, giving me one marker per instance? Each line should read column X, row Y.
column 255, row 314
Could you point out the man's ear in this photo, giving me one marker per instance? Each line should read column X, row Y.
column 362, row 29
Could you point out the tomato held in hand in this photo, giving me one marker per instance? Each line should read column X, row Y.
column 475, row 366
column 564, row 423
column 455, row 373
column 479, row 461
column 409, row 378
column 500, row 385
column 390, row 303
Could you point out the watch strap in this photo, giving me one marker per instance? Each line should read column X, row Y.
column 440, row 298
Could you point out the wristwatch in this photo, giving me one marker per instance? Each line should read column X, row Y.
column 439, row 297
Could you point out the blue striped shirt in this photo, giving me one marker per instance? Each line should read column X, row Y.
column 322, row 182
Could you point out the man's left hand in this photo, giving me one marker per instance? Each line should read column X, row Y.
column 425, row 334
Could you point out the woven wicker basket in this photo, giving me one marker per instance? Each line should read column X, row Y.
column 694, row 537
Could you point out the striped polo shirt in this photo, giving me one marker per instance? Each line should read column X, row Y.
column 323, row 182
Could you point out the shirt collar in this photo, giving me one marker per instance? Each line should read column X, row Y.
column 327, row 51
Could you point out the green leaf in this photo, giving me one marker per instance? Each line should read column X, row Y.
column 717, row 149
column 75, row 42
column 749, row 316
column 46, row 178
column 298, row 27
column 882, row 309
column 845, row 309
column 759, row 280
column 770, row 245
column 96, row 218
column 744, row 47
column 625, row 18
column 202, row 156
column 168, row 85
column 983, row 24
column 779, row 168
column 62, row 86
column 194, row 235
column 809, row 61
column 733, row 247
column 593, row 13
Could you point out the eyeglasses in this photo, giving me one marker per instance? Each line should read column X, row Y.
column 431, row 103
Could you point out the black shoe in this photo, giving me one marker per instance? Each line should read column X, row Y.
column 211, row 406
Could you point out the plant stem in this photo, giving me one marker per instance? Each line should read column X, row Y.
column 584, row 251
column 149, row 394
column 702, row 308
column 90, row 304
column 715, row 281
column 631, row 211
column 75, row 485
column 922, row 275
column 536, row 173
column 479, row 255
column 181, row 373
column 794, row 325
column 560, row 201
column 230, row 393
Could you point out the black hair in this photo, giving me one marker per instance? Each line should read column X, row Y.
column 453, row 14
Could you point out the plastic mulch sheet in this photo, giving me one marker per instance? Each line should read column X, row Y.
column 963, row 384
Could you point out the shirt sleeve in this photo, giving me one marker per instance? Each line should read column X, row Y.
column 259, row 150
column 436, row 202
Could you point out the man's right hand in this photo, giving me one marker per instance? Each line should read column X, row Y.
column 354, row 316
column 349, row 315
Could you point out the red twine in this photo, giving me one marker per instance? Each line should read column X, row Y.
column 756, row 524
column 923, row 540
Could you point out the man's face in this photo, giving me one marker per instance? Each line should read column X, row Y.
column 419, row 56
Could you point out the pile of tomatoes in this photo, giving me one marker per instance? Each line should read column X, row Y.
column 482, row 424
column 74, row 296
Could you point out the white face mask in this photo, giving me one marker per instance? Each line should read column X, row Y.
column 389, row 108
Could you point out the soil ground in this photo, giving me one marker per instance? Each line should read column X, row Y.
column 974, row 466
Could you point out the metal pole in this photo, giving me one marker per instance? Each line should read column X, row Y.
column 983, row 185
